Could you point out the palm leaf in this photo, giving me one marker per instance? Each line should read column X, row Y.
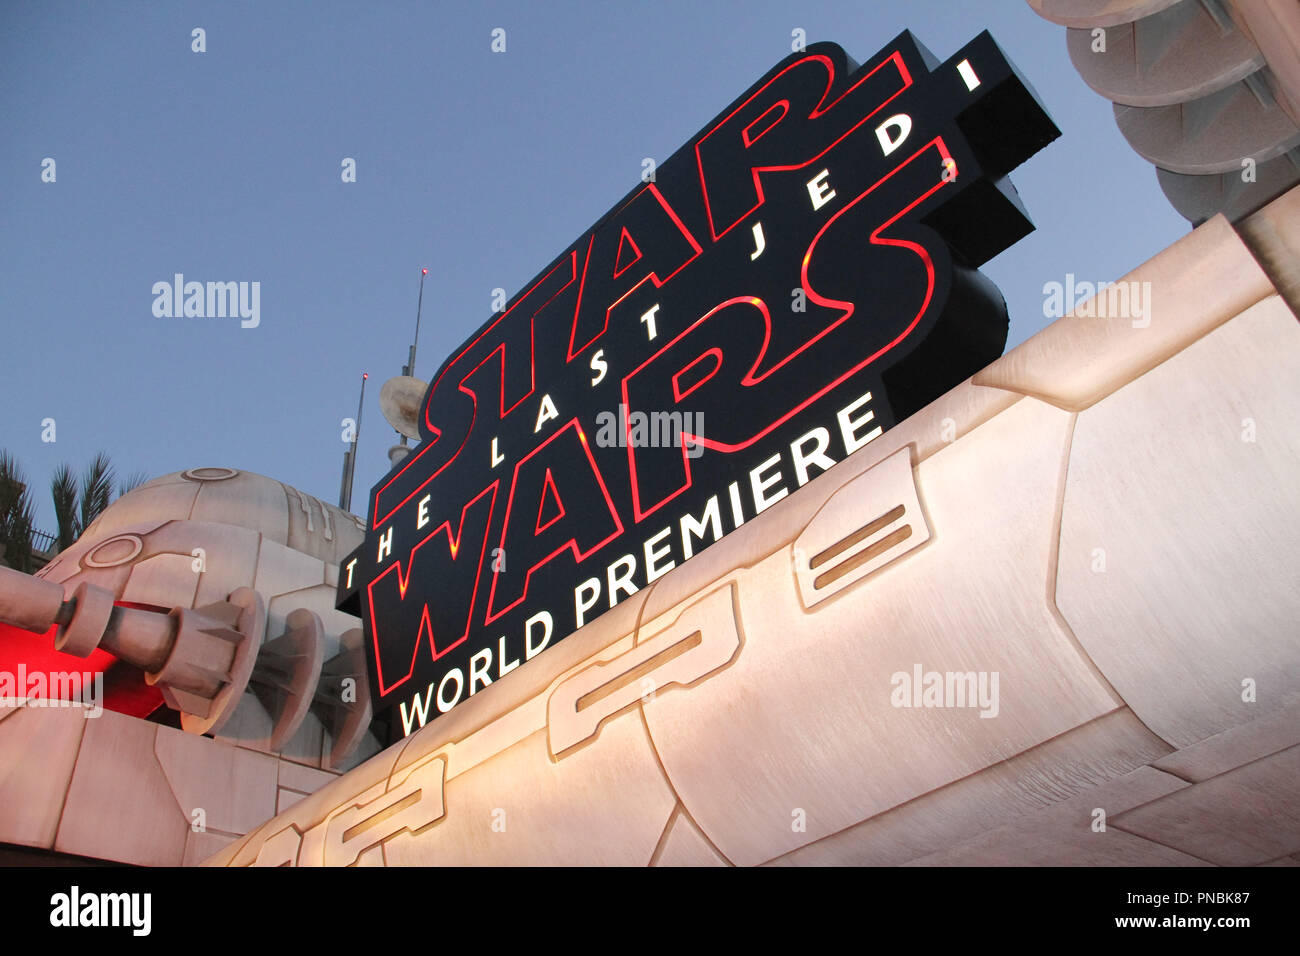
column 96, row 489
column 131, row 482
column 17, row 515
column 63, row 489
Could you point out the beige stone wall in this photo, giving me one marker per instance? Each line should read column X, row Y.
column 120, row 788
column 1107, row 517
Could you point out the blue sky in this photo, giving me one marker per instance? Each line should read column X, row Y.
column 482, row 166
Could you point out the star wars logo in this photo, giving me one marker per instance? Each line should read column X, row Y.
column 797, row 278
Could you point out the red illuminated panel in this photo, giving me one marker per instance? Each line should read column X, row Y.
column 125, row 690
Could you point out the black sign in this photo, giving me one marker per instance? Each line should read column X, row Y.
column 796, row 279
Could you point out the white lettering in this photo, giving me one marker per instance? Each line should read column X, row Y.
column 819, row 190
column 760, row 485
column 849, row 426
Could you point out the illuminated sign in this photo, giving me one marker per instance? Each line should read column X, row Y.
column 797, row 278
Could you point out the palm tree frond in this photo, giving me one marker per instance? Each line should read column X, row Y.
column 63, row 489
column 17, row 515
column 96, row 489
column 131, row 482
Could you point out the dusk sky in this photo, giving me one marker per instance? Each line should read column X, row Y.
column 482, row 166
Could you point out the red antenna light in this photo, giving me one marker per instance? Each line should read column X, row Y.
column 364, row 376
column 424, row 272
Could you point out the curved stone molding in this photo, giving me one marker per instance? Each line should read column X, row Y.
column 1208, row 91
column 1209, row 135
column 1097, row 13
column 1169, row 57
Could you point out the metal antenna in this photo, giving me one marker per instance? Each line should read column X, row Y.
column 409, row 367
column 350, row 456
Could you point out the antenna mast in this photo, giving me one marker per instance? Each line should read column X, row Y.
column 409, row 367
column 350, row 456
